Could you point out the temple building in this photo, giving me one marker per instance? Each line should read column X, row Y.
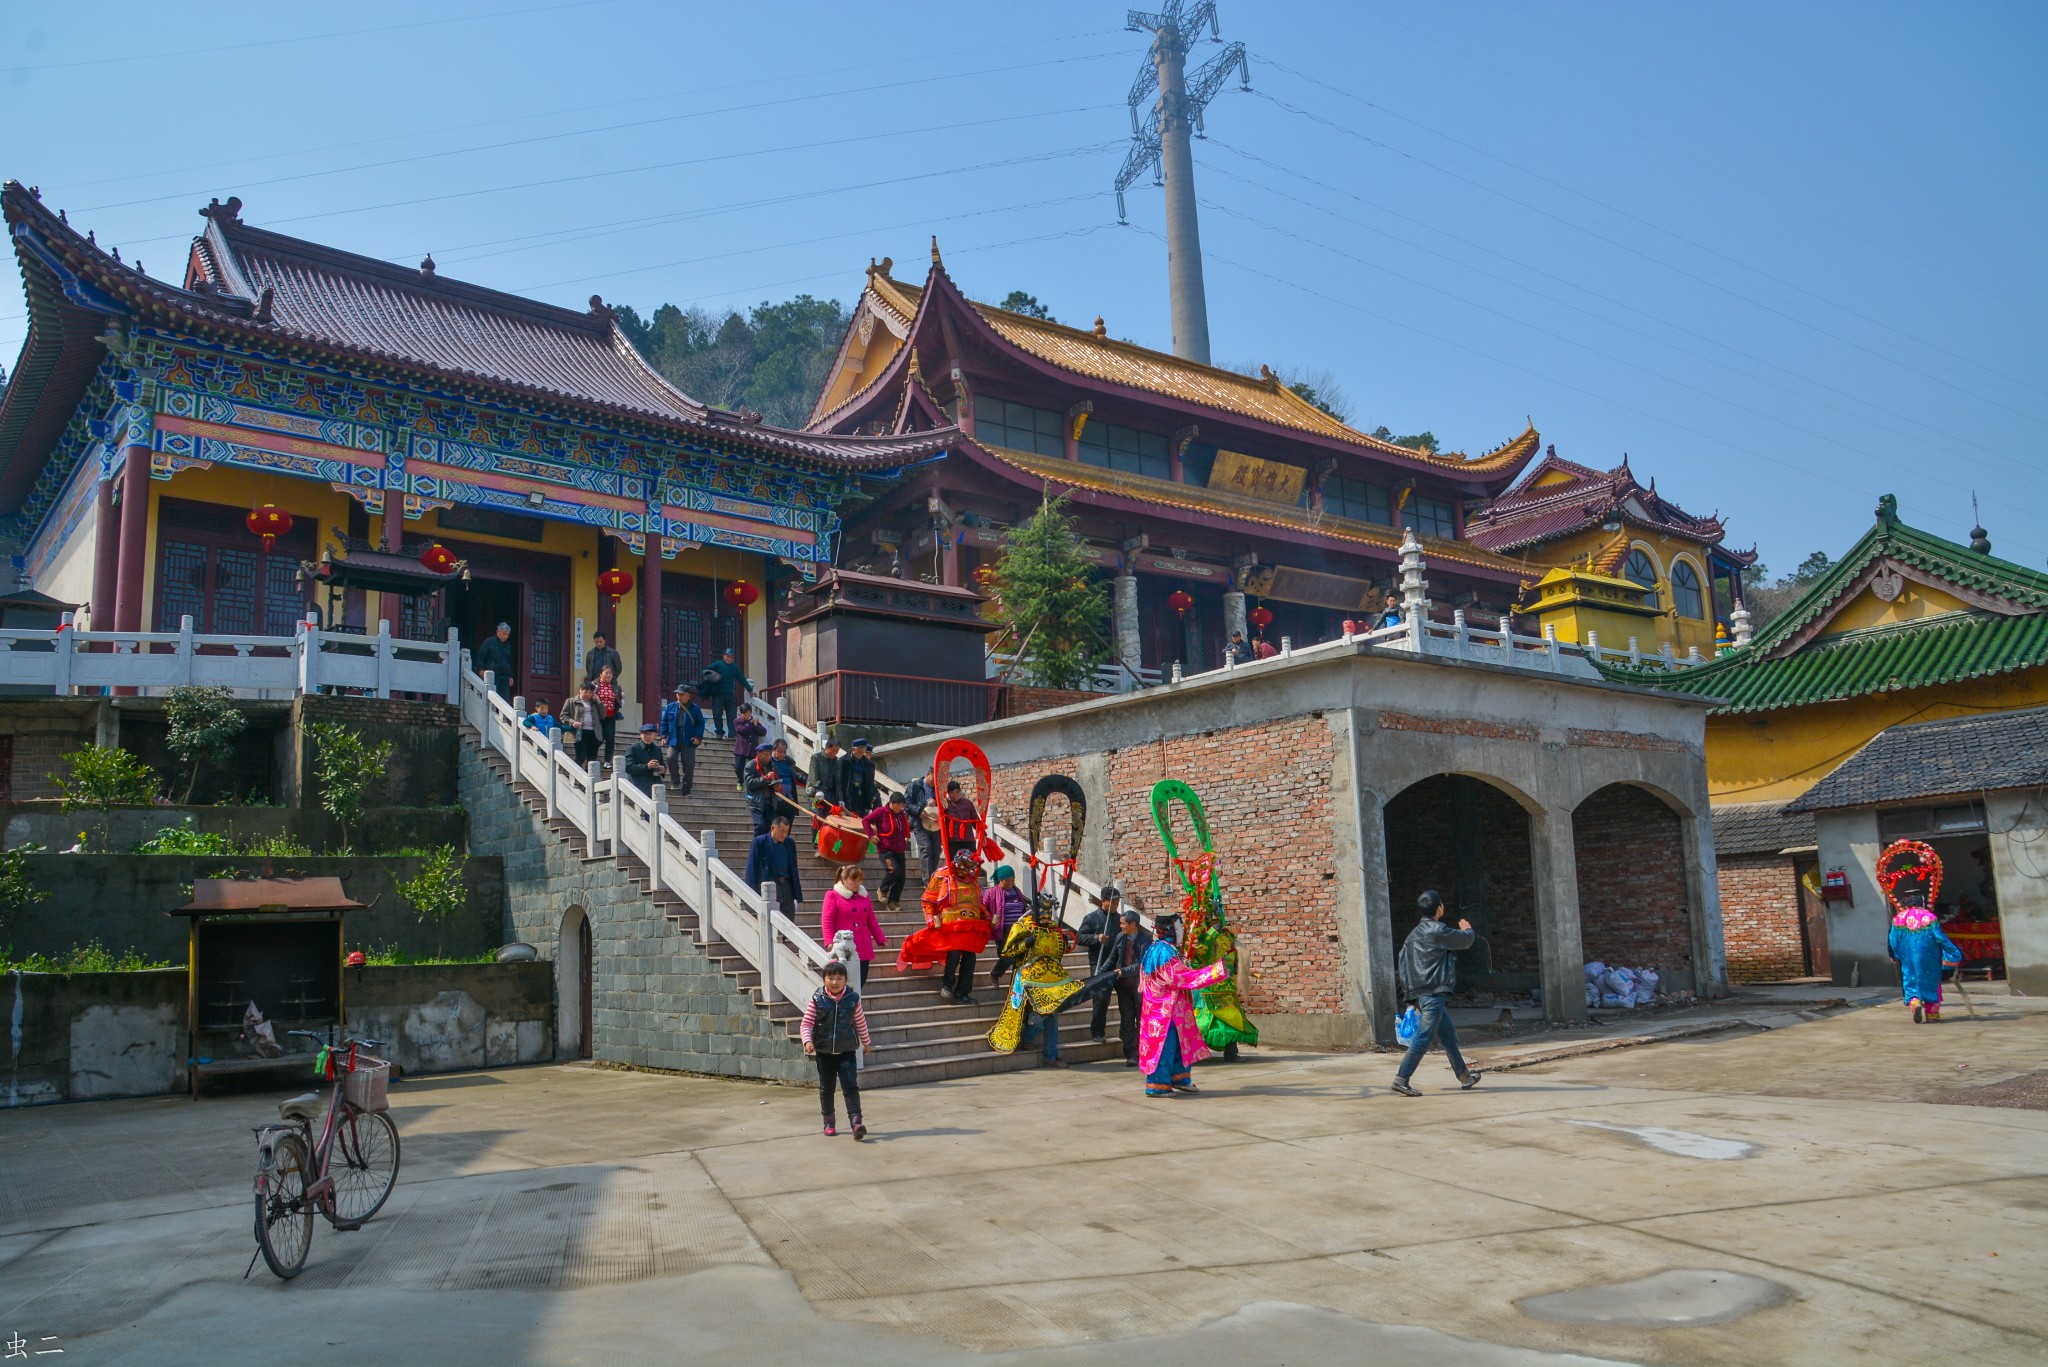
column 1865, row 714
column 1217, row 501
column 291, row 428
column 1613, row 559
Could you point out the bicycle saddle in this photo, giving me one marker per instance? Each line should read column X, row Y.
column 305, row 1107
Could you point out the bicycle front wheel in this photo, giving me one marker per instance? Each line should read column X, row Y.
column 284, row 1217
column 364, row 1164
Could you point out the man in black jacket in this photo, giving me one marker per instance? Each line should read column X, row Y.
column 644, row 767
column 1429, row 973
column 828, row 776
column 601, row 654
column 1098, row 928
column 857, row 784
column 1121, row 955
column 494, row 656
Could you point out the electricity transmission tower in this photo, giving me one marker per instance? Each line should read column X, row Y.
column 1159, row 143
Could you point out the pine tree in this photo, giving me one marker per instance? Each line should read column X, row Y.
column 1048, row 599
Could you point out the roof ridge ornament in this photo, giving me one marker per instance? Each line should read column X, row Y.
column 224, row 212
column 427, row 266
column 1888, row 509
column 935, row 252
column 1101, row 330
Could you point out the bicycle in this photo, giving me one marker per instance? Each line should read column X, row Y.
column 297, row 1175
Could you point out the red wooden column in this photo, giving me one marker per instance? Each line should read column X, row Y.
column 106, row 557
column 134, row 531
column 653, row 672
column 391, row 537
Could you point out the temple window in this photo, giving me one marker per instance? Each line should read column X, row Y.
column 1641, row 569
column 1197, row 463
column 1019, row 426
column 1686, row 595
column 1357, row 500
column 1124, row 448
column 1432, row 516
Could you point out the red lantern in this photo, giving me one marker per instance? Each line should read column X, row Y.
column 438, row 558
column 1261, row 618
column 741, row 594
column 615, row 584
column 269, row 522
column 1180, row 600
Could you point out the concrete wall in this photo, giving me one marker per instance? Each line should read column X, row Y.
column 657, row 1000
column 121, row 900
column 85, row 1036
column 421, row 771
column 381, row 828
column 81, row 1036
column 2018, row 822
column 1297, row 759
column 1858, row 928
column 438, row 1018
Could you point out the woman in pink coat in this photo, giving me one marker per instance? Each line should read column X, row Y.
column 1169, row 1043
column 849, row 908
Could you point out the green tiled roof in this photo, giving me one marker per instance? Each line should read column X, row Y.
column 1938, row 650
column 1948, row 648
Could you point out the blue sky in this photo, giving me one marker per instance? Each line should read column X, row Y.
column 1779, row 255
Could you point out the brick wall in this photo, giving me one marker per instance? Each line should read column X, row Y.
column 36, row 756
column 1760, row 918
column 1018, row 699
column 1632, row 907
column 656, row 1000
column 1267, row 792
column 1470, row 842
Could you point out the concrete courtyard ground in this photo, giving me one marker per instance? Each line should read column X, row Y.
column 1818, row 1193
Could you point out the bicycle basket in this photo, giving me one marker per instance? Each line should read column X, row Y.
column 365, row 1088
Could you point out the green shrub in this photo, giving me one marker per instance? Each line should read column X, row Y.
column 436, row 892
column 101, row 778
column 17, row 889
column 204, row 723
column 91, row 957
column 388, row 956
column 345, row 765
column 184, row 838
column 282, row 845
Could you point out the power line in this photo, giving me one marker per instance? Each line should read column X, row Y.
column 1406, row 326
column 1647, row 256
column 214, row 49
column 560, row 112
column 1658, row 227
column 1571, row 341
column 1936, row 443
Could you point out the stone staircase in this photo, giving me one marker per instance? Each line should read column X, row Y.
column 919, row 1036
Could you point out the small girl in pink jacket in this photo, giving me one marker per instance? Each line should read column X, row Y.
column 849, row 908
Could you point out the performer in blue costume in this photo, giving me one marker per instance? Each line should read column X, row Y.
column 1916, row 941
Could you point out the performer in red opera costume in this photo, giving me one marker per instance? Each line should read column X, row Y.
column 956, row 926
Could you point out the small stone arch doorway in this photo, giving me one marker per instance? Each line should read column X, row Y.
column 1634, row 908
column 573, row 955
column 1469, row 838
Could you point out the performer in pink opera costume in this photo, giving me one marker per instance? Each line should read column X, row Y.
column 1169, row 1042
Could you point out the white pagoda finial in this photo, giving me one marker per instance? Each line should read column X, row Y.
column 1743, row 632
column 1414, row 587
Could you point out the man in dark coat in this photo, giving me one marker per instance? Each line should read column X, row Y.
column 1122, row 955
column 1098, row 928
column 601, row 654
column 644, row 767
column 857, row 785
column 828, row 771
column 494, row 656
column 772, row 859
column 917, row 801
column 729, row 688
column 1429, row 973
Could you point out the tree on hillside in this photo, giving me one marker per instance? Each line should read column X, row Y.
column 1421, row 441
column 773, row 359
column 1319, row 386
column 1017, row 301
column 1767, row 600
column 1049, row 600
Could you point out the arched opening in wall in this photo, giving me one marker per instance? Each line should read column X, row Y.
column 1633, row 911
column 572, row 986
column 1469, row 840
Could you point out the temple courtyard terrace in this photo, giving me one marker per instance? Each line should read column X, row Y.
column 1833, row 1189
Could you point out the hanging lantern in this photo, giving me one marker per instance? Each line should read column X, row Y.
column 269, row 522
column 439, row 559
column 1180, row 600
column 741, row 594
column 1261, row 617
column 615, row 584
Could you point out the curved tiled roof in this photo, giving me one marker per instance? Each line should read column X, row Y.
column 283, row 295
column 1197, row 498
column 1951, row 757
column 1262, row 397
column 1533, row 512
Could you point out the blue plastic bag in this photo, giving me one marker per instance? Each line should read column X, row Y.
column 1406, row 1025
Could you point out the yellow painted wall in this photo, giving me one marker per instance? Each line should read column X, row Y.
column 870, row 356
column 1775, row 756
column 1866, row 609
column 1683, row 633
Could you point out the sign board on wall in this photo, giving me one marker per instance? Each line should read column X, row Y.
column 1269, row 481
column 1149, row 562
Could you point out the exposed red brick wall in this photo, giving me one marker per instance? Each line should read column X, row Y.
column 1018, row 699
column 1760, row 918
column 1632, row 907
column 37, row 755
column 1477, row 858
column 1267, row 792
column 1455, row 726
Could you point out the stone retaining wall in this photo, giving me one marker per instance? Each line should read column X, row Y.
column 657, row 1000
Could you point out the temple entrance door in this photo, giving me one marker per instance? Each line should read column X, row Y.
column 211, row 569
column 1813, row 921
column 475, row 609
